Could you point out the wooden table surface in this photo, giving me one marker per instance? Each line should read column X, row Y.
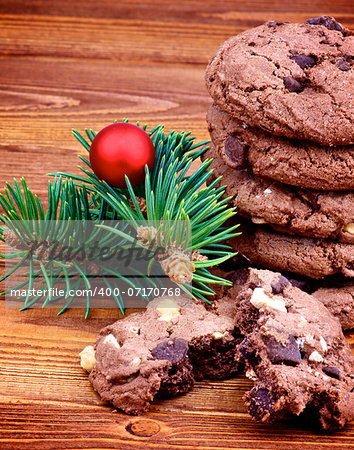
column 75, row 64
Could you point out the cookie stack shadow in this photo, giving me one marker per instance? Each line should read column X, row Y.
column 282, row 138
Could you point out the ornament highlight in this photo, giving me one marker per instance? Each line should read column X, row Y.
column 122, row 149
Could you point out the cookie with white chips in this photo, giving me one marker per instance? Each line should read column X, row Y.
column 295, row 352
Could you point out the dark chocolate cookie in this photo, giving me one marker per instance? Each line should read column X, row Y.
column 322, row 214
column 315, row 258
column 291, row 79
column 161, row 351
column 339, row 300
column 295, row 352
column 335, row 292
column 290, row 161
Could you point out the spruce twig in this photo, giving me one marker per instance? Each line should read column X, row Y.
column 169, row 194
column 34, row 238
column 168, row 197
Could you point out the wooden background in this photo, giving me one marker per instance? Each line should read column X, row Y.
column 76, row 63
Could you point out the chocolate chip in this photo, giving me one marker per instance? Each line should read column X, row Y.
column 240, row 276
column 248, row 353
column 273, row 24
column 260, row 402
column 303, row 61
column 235, row 152
column 175, row 350
column 292, row 85
column 279, row 285
column 279, row 354
column 343, row 64
column 331, row 372
column 328, row 22
column 245, row 347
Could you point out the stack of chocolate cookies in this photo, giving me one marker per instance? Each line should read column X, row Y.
column 283, row 140
column 282, row 132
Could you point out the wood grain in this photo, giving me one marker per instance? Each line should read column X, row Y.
column 80, row 64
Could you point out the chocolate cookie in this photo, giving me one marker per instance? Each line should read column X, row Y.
column 295, row 352
column 288, row 209
column 339, row 300
column 315, row 258
column 335, row 292
column 290, row 161
column 161, row 351
column 291, row 79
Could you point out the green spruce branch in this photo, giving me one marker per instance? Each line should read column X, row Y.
column 170, row 195
column 49, row 244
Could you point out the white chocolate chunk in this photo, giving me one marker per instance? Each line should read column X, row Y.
column 168, row 310
column 110, row 339
column 260, row 299
column 310, row 339
column 267, row 191
column 300, row 343
column 87, row 358
column 315, row 357
column 228, row 336
column 258, row 220
column 218, row 335
column 349, row 228
column 323, row 345
column 251, row 374
column 136, row 361
column 225, row 335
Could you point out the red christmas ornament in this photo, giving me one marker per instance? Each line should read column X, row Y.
column 122, row 149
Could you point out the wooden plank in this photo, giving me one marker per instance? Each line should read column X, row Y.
column 125, row 39
column 186, row 11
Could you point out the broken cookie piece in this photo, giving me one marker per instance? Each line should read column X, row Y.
column 296, row 354
column 161, row 351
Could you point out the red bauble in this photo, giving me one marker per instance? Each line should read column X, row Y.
column 122, row 149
